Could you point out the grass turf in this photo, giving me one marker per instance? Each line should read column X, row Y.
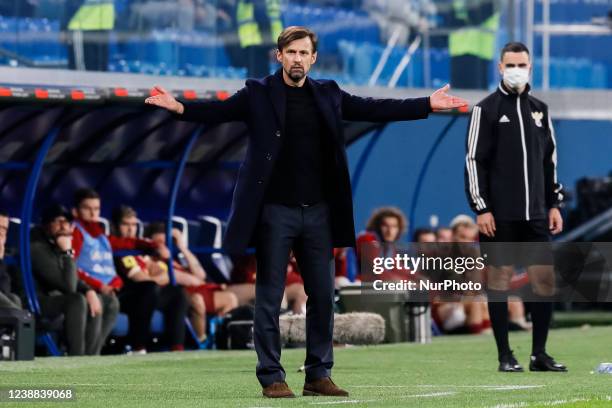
column 453, row 371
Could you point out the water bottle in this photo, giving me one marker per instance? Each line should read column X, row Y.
column 604, row 368
column 6, row 348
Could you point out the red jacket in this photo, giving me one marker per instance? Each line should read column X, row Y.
column 117, row 244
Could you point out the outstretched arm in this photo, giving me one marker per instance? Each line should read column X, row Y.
column 234, row 108
column 387, row 110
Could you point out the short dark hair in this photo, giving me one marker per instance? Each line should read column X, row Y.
column 155, row 228
column 513, row 46
column 119, row 213
column 293, row 33
column 421, row 231
column 83, row 194
column 4, row 213
column 53, row 211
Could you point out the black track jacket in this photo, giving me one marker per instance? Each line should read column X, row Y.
column 511, row 157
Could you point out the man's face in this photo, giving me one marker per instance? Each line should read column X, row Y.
column 297, row 58
column 89, row 210
column 445, row 235
column 514, row 60
column 4, row 226
column 59, row 226
column 466, row 233
column 128, row 228
column 389, row 229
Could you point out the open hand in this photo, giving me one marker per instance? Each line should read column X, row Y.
column 164, row 99
column 440, row 100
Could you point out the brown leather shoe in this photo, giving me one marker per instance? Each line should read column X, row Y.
column 278, row 390
column 323, row 387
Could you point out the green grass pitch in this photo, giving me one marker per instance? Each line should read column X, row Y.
column 457, row 371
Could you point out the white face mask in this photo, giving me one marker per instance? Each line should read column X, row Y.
column 516, row 78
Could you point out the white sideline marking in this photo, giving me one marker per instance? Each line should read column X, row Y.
column 545, row 403
column 562, row 402
column 342, row 402
column 433, row 394
column 492, row 387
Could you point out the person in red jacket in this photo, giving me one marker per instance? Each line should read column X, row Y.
column 147, row 288
column 93, row 249
column 383, row 231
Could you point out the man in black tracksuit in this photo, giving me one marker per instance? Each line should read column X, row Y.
column 511, row 184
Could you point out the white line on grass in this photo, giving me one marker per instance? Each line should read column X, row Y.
column 489, row 387
column 563, row 402
column 342, row 402
column 544, row 403
column 515, row 405
column 433, row 394
column 492, row 387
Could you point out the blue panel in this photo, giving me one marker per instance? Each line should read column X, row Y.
column 390, row 174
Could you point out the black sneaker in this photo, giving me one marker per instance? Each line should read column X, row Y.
column 508, row 364
column 544, row 362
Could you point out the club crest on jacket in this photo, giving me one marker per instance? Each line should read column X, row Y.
column 537, row 117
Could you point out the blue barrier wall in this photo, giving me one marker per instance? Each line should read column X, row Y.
column 390, row 174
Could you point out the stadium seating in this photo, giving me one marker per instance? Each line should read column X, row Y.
column 36, row 39
column 122, row 324
column 360, row 59
column 349, row 47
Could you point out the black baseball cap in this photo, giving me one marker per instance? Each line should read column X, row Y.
column 52, row 212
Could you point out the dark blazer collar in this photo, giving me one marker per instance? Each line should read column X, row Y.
column 278, row 96
column 325, row 104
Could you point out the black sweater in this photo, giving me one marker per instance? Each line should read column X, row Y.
column 305, row 155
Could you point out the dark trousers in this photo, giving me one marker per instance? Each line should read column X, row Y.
column 518, row 243
column 140, row 299
column 306, row 230
column 84, row 334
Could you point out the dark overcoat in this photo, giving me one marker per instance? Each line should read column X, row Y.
column 261, row 105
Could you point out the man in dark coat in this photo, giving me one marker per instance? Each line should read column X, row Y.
column 293, row 192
